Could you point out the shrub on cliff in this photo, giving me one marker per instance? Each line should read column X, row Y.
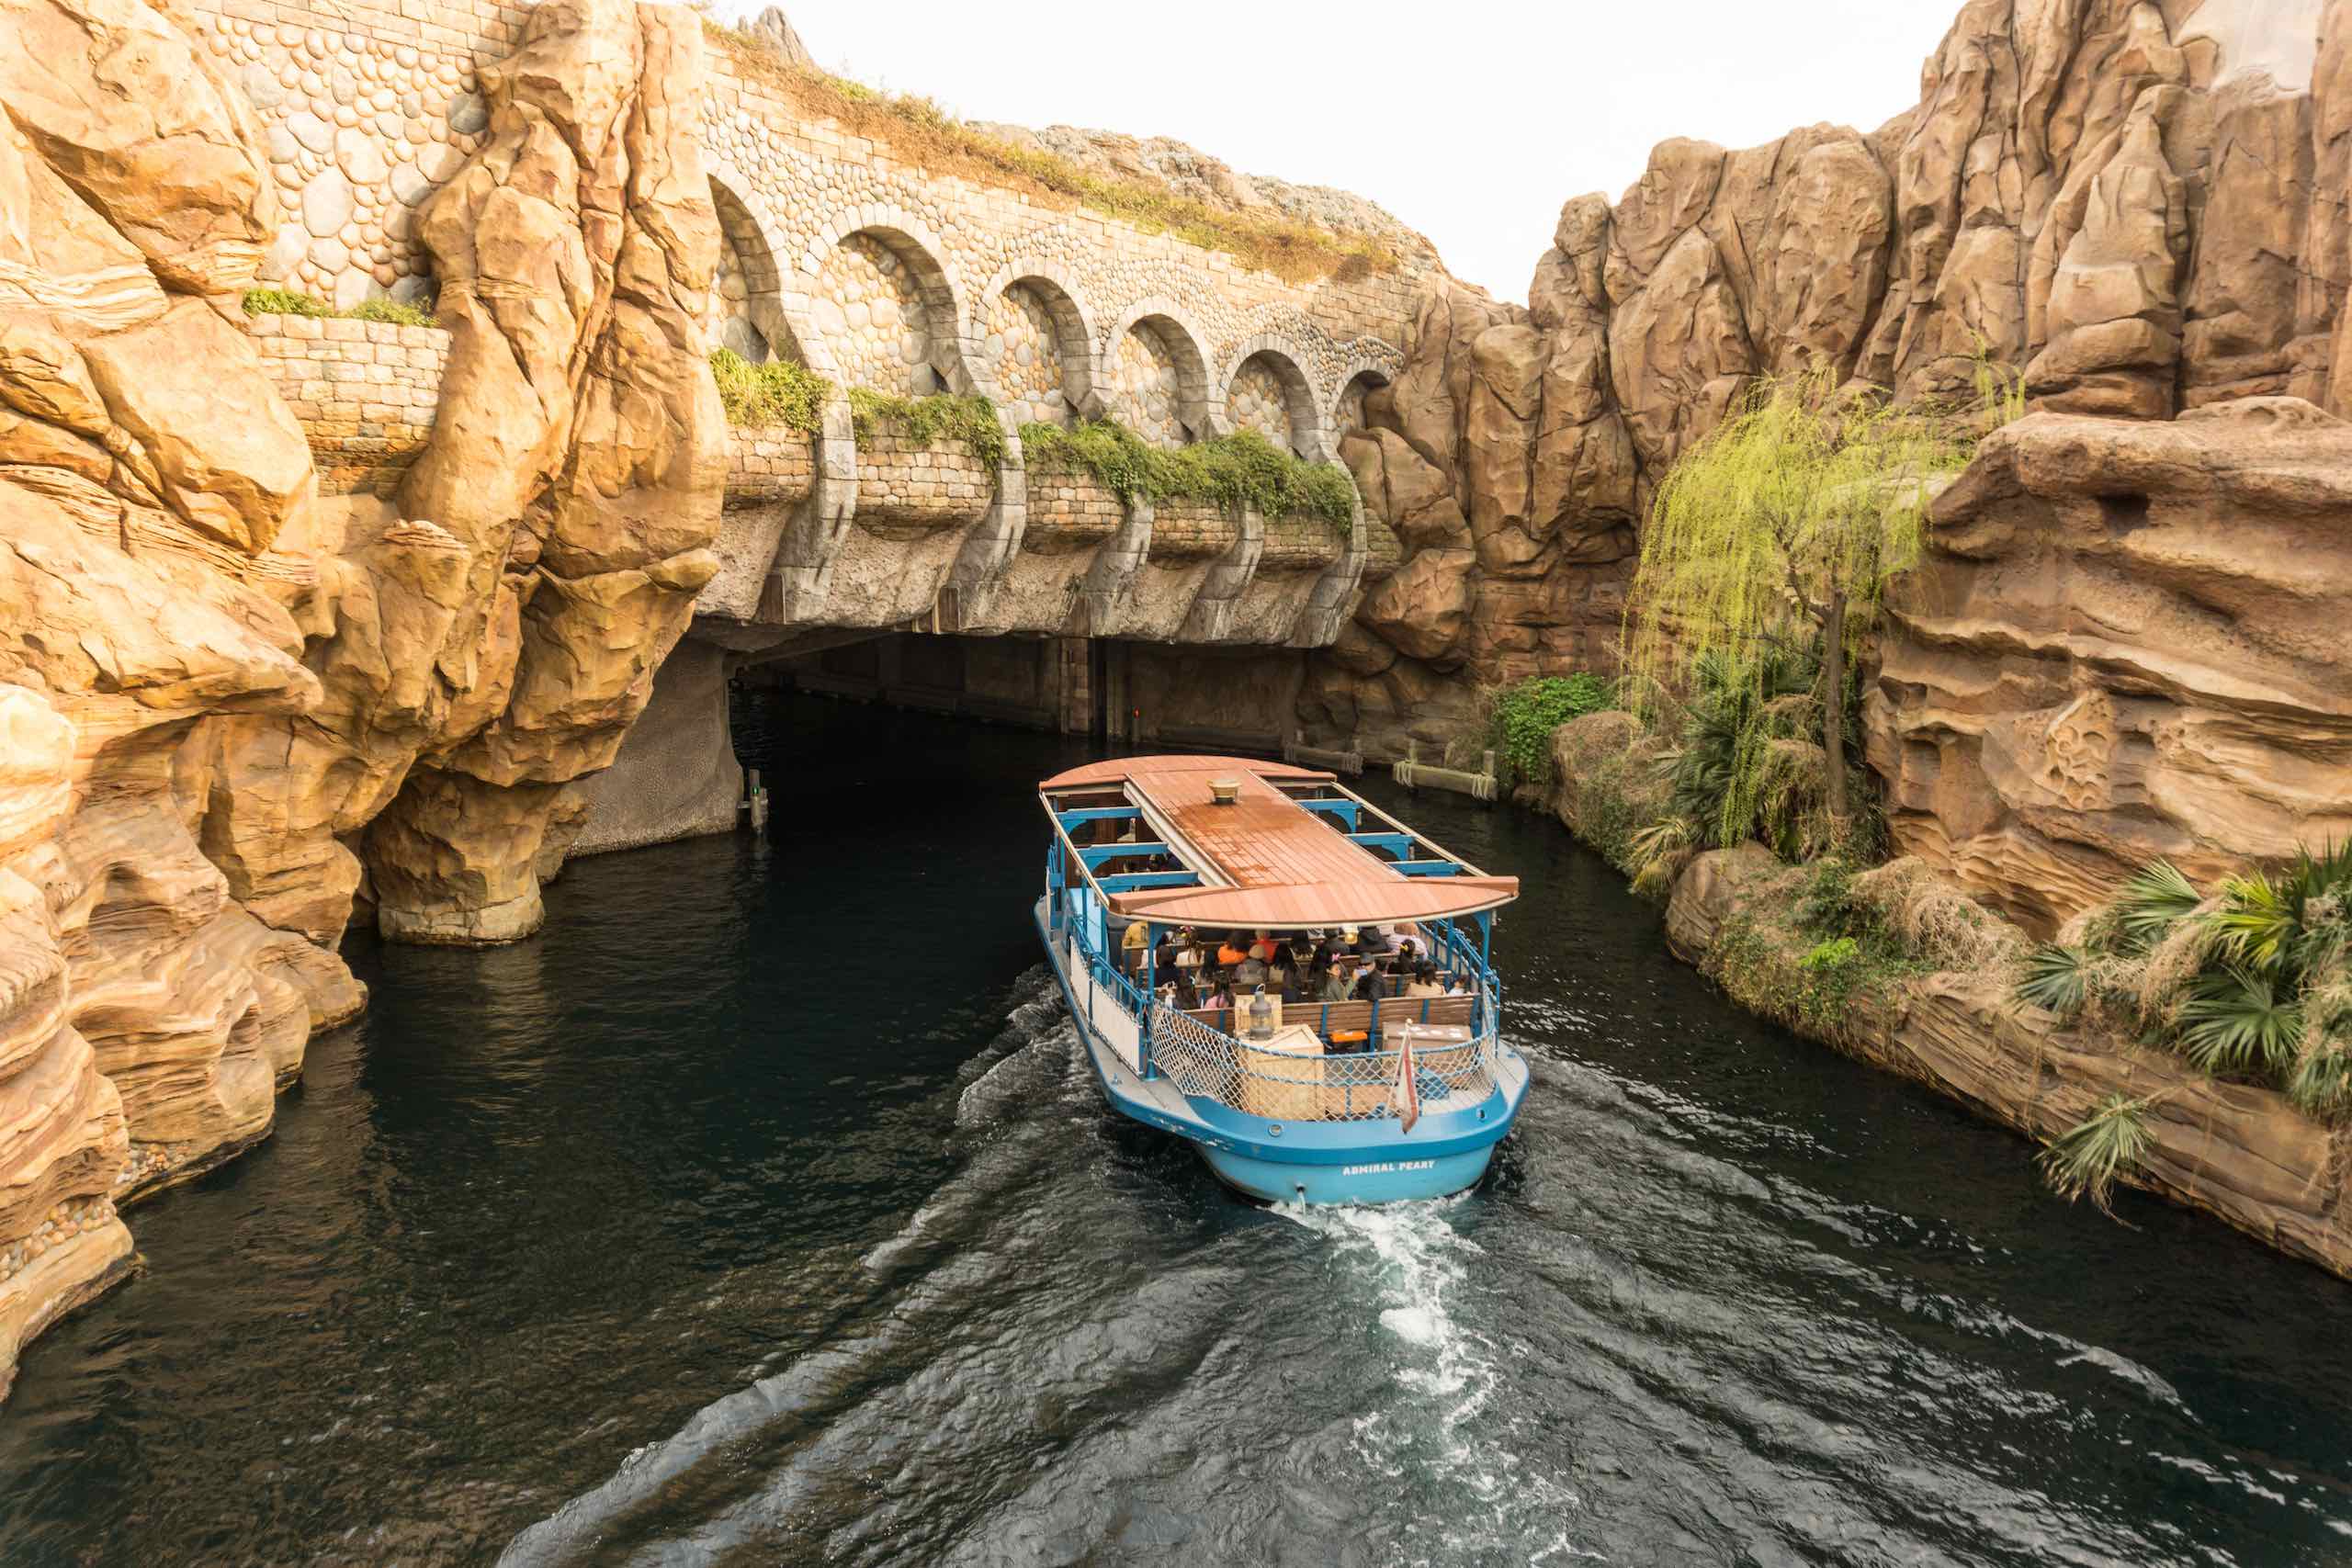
column 1520, row 720
column 778, row 394
column 2253, row 981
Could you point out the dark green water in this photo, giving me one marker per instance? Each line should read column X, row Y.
column 760, row 1213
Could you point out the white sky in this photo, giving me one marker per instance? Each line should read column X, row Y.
column 1471, row 120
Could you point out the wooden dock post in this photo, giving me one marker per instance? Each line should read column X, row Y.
column 1412, row 773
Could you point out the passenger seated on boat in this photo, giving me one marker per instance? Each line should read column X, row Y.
column 1263, row 948
column 1250, row 974
column 1163, row 957
column 1425, row 982
column 1188, row 952
column 1230, row 950
column 1131, row 946
column 1187, row 999
column 1457, row 984
column 1340, row 983
column 1220, row 995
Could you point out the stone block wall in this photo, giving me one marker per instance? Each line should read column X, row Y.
column 769, row 467
column 1301, row 543
column 1069, row 510
column 364, row 392
column 1192, row 530
column 903, row 484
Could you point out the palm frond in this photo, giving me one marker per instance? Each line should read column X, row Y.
column 2151, row 902
column 2260, row 920
column 2054, row 980
column 2239, row 1021
column 2320, row 1084
column 2112, row 1141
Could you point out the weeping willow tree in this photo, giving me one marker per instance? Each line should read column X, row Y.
column 1777, row 535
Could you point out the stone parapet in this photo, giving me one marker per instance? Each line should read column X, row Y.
column 907, row 486
column 1191, row 531
column 1069, row 510
column 364, row 392
column 767, row 468
column 1301, row 543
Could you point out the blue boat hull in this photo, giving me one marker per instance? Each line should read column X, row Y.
column 1315, row 1162
column 1392, row 1174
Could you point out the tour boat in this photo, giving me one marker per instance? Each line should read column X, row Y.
column 1383, row 1097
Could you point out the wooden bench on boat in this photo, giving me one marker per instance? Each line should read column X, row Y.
column 1350, row 1017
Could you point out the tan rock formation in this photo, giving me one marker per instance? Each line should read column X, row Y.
column 62, row 1141
column 2127, row 641
column 212, row 681
column 577, row 456
column 2135, row 207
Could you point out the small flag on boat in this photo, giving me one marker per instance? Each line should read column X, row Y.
column 1408, row 1082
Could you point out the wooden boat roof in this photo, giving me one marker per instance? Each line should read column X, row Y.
column 1266, row 861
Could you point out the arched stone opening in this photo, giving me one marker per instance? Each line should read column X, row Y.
column 1036, row 339
column 1157, row 381
column 885, row 308
column 744, row 311
column 1270, row 394
column 1347, row 413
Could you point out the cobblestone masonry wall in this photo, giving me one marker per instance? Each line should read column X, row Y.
column 1257, row 401
column 364, row 392
column 371, row 103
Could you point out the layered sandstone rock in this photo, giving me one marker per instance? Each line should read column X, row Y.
column 212, row 682
column 152, row 490
column 2127, row 641
column 2137, row 208
column 63, row 1140
column 577, row 456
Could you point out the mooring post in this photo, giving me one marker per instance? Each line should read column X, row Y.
column 759, row 802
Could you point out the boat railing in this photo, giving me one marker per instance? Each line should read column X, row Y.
column 1327, row 1086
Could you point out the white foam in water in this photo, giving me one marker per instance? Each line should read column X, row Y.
column 1415, row 1261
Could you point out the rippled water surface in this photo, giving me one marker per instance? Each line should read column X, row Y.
column 761, row 1211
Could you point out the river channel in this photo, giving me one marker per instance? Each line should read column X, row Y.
column 761, row 1211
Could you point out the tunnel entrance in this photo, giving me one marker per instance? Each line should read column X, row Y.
column 1123, row 693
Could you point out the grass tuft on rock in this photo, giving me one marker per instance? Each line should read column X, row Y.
column 283, row 302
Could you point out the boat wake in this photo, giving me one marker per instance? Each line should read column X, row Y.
column 1451, row 1428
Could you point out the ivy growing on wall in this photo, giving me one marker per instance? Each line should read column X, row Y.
column 1240, row 469
column 969, row 418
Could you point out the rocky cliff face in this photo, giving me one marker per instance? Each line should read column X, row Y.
column 2137, row 205
column 212, row 682
column 2128, row 640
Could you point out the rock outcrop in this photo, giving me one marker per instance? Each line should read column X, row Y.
column 2136, row 207
column 2127, row 641
column 2238, row 1152
column 577, row 459
column 213, row 681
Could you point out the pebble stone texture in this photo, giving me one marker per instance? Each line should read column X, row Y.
column 870, row 311
column 1024, row 344
column 1146, row 386
column 370, row 104
column 1256, row 401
